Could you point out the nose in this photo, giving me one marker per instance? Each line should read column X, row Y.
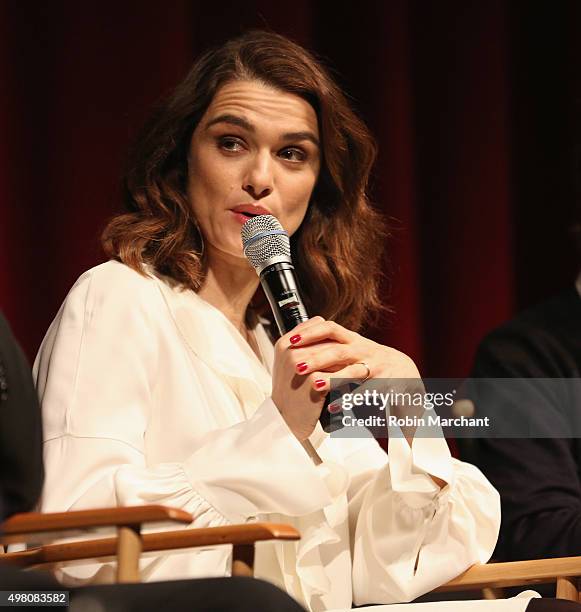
column 258, row 180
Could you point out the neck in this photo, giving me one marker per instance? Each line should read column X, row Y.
column 229, row 286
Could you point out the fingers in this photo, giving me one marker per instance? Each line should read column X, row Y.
column 315, row 330
column 334, row 356
column 334, row 350
column 296, row 333
column 354, row 372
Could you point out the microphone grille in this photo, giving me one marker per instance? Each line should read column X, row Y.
column 264, row 238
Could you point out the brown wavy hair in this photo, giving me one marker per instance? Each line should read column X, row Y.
column 337, row 250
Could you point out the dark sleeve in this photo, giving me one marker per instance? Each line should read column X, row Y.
column 21, row 468
column 536, row 477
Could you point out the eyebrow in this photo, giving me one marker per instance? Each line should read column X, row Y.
column 243, row 123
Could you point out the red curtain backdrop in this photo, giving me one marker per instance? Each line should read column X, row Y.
column 474, row 105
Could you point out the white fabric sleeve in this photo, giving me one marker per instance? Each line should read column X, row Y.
column 409, row 536
column 96, row 374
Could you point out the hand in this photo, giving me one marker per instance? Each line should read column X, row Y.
column 302, row 369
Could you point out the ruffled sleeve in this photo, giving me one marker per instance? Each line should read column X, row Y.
column 251, row 468
column 408, row 535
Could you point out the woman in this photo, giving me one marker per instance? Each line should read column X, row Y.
column 159, row 382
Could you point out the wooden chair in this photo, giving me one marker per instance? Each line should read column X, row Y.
column 565, row 571
column 129, row 543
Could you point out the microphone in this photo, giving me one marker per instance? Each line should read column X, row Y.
column 266, row 245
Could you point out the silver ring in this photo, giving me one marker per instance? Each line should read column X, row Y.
column 367, row 368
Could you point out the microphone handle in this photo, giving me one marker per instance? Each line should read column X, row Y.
column 281, row 288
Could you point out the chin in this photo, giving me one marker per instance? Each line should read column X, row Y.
column 230, row 251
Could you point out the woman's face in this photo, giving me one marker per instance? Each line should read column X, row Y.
column 256, row 147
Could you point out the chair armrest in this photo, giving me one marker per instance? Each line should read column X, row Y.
column 249, row 533
column 38, row 527
column 514, row 573
column 236, row 535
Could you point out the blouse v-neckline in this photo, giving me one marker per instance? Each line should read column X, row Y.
column 215, row 341
column 251, row 331
column 262, row 363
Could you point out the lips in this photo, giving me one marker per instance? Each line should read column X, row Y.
column 250, row 210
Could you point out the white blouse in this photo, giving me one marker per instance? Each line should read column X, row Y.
column 150, row 395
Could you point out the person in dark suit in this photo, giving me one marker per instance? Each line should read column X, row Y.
column 538, row 477
column 21, row 479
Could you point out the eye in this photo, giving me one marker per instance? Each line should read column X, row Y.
column 293, row 154
column 230, row 144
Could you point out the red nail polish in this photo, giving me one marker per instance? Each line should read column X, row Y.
column 334, row 408
column 295, row 339
column 301, row 367
column 319, row 383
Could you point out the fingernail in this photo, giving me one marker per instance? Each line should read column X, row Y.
column 319, row 383
column 301, row 367
column 295, row 339
column 334, row 408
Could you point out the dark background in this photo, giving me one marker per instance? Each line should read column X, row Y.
column 474, row 103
